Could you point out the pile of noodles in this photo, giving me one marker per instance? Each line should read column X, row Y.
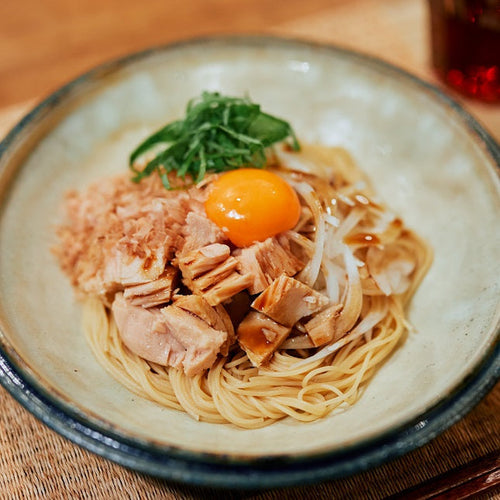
column 339, row 225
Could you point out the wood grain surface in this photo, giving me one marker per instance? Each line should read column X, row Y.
column 44, row 44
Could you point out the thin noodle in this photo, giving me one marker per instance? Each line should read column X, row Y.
column 293, row 384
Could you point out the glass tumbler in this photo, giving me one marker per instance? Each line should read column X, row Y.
column 465, row 38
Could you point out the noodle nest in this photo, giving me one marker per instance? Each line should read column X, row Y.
column 304, row 384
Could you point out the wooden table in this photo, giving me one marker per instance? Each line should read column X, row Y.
column 45, row 44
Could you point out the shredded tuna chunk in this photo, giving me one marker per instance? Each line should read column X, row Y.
column 201, row 342
column 145, row 333
column 266, row 260
column 259, row 336
column 199, row 231
column 287, row 300
column 169, row 336
column 213, row 273
column 200, row 261
column 216, row 316
column 321, row 327
column 153, row 293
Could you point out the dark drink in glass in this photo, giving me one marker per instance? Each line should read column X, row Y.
column 465, row 38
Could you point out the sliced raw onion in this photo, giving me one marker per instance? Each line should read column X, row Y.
column 353, row 301
column 377, row 313
column 309, row 274
column 298, row 342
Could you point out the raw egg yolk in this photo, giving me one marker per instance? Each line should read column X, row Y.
column 251, row 205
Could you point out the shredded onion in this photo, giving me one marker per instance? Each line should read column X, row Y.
column 309, row 274
column 377, row 312
column 354, row 294
column 298, row 342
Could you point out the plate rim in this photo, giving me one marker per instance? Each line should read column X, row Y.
column 226, row 471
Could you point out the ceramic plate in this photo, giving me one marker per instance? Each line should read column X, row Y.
column 427, row 158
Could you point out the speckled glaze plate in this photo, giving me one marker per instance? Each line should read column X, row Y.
column 428, row 159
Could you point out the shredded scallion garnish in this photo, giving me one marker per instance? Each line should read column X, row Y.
column 218, row 133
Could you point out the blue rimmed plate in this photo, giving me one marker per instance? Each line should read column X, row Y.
column 428, row 159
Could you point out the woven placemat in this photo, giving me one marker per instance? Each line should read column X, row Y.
column 37, row 463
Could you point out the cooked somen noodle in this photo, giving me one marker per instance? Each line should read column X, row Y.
column 354, row 262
